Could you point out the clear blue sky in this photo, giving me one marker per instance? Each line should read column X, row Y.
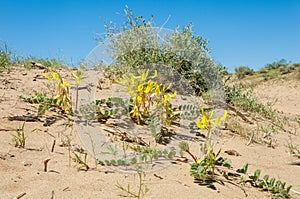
column 241, row 32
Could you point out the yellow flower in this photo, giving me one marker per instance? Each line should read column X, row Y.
column 155, row 74
column 199, row 161
column 173, row 95
column 203, row 124
column 157, row 91
column 48, row 76
column 65, row 84
column 139, row 99
column 135, row 112
column 225, row 115
column 149, row 88
column 140, row 88
column 205, row 121
column 166, row 98
column 217, row 122
column 55, row 76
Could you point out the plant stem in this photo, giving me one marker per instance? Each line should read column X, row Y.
column 194, row 158
column 140, row 185
column 76, row 103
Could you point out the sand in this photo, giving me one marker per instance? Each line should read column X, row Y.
column 22, row 170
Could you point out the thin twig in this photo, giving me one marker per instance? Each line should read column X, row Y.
column 251, row 139
column 215, row 102
column 20, row 196
column 45, row 164
column 53, row 145
column 52, row 194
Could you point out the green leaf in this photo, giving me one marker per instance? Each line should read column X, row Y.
column 227, row 164
column 288, row 189
column 283, row 185
column 171, row 154
column 184, row 146
column 243, row 170
column 113, row 162
column 256, row 175
column 133, row 160
column 266, row 178
column 262, row 184
column 121, row 162
column 107, row 162
column 272, row 181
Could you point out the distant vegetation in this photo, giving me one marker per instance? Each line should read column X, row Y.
column 242, row 71
column 269, row 71
column 9, row 59
column 5, row 62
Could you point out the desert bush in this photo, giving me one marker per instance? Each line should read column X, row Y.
column 181, row 50
column 242, row 71
column 276, row 64
column 286, row 69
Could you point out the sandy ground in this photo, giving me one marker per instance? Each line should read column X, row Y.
column 22, row 170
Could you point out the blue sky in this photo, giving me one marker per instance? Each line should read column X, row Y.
column 241, row 32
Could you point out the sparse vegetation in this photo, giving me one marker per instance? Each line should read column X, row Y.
column 238, row 95
column 142, row 187
column 294, row 150
column 81, row 162
column 242, row 71
column 276, row 187
column 19, row 139
column 5, row 60
column 204, row 167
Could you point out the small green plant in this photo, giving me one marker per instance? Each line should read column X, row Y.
column 20, row 139
column 81, row 163
column 102, row 109
column 142, row 188
column 204, row 167
column 37, row 98
column 45, row 102
column 78, row 77
column 145, row 156
column 293, row 150
column 276, row 187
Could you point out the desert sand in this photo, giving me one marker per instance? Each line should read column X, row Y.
column 22, row 170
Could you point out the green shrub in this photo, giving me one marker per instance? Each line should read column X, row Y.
column 242, row 71
column 276, row 64
column 180, row 50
